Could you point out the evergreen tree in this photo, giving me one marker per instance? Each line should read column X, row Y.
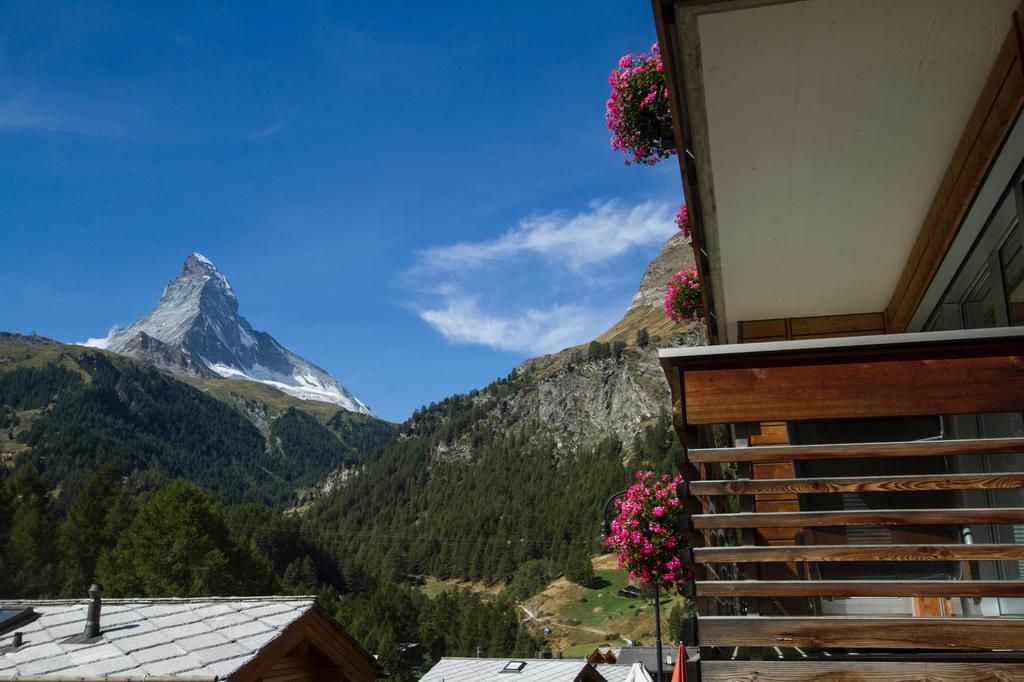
column 6, row 512
column 177, row 545
column 578, row 568
column 300, row 577
column 95, row 520
column 643, row 338
column 676, row 624
column 31, row 550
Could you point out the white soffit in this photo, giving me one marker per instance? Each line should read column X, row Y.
column 830, row 125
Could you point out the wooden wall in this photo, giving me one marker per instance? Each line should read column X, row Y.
column 774, row 433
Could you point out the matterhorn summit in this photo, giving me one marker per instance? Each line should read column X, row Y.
column 196, row 330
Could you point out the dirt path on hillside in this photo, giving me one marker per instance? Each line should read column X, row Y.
column 547, row 621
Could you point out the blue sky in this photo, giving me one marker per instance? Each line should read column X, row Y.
column 415, row 196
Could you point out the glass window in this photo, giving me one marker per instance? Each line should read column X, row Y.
column 1011, row 260
column 979, row 307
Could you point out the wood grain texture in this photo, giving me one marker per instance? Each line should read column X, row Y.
column 928, row 448
column 989, row 124
column 836, row 325
column 859, row 484
column 863, row 632
column 831, row 553
column 859, row 671
column 762, row 330
column 821, row 389
column 860, row 588
column 870, row 517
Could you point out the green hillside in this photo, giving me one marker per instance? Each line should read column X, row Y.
column 69, row 409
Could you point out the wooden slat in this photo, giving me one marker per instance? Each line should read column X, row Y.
column 708, row 555
column 860, row 588
column 863, row 632
column 869, row 517
column 859, row 484
column 859, row 671
column 921, row 448
column 820, row 389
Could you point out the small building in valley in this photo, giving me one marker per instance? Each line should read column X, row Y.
column 520, row 670
column 237, row 638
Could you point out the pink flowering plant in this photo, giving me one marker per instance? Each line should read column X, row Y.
column 683, row 221
column 682, row 300
column 644, row 532
column 637, row 112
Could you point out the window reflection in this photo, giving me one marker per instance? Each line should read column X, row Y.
column 1011, row 258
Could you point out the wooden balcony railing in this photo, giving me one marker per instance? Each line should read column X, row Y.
column 766, row 602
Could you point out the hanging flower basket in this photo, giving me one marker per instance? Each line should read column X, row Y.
column 637, row 112
column 683, row 221
column 644, row 534
column 682, row 300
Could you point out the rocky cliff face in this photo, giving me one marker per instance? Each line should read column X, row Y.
column 196, row 330
column 675, row 255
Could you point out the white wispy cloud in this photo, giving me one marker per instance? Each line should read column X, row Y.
column 604, row 231
column 495, row 292
column 108, row 120
column 531, row 330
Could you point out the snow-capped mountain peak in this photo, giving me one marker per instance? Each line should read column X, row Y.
column 196, row 329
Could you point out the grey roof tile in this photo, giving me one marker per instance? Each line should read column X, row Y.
column 203, row 641
column 173, row 666
column 257, row 642
column 93, row 653
column 159, row 652
column 280, row 620
column 227, row 667
column 220, row 653
column 244, row 630
column 188, row 630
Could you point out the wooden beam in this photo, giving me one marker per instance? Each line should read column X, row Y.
column 830, row 553
column 918, row 448
column 860, row 588
column 858, row 484
column 868, row 517
column 863, row 632
column 859, row 671
column 830, row 388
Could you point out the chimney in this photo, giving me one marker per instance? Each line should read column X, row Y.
column 92, row 620
column 18, row 639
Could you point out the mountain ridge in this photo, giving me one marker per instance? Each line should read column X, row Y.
column 195, row 330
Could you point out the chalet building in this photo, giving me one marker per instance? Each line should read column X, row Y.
column 854, row 173
column 236, row 638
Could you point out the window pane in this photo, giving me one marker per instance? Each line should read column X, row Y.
column 980, row 305
column 1011, row 256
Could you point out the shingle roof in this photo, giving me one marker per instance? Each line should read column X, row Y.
column 209, row 637
column 613, row 673
column 489, row 670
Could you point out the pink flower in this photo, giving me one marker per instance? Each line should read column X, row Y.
column 646, row 544
column 683, row 301
column 637, row 110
